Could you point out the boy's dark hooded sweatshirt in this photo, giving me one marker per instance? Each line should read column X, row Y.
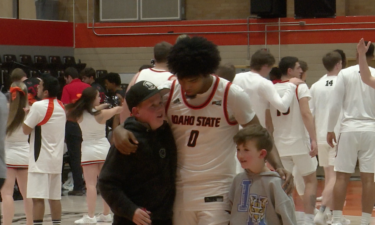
column 145, row 179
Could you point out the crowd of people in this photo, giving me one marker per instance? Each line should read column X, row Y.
column 167, row 149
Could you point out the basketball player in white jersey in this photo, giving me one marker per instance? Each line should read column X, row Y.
column 357, row 132
column 260, row 90
column 46, row 124
column 203, row 111
column 320, row 93
column 157, row 75
column 293, row 131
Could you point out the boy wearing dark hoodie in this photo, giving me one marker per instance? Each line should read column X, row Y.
column 140, row 188
column 256, row 194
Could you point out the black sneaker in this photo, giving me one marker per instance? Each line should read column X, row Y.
column 76, row 193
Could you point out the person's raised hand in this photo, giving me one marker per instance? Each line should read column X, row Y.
column 362, row 47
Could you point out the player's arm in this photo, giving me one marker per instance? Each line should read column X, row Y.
column 366, row 76
column 334, row 108
column 282, row 104
column 269, row 124
column 309, row 124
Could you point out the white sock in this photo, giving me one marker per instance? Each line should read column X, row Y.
column 309, row 218
column 336, row 216
column 328, row 210
column 365, row 220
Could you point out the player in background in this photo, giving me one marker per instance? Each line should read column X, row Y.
column 343, row 57
column 88, row 76
column 320, row 94
column 275, row 75
column 357, row 132
column 204, row 112
column 226, row 71
column 260, row 90
column 292, row 132
column 156, row 75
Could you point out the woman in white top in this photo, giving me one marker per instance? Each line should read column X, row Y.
column 92, row 118
column 16, row 155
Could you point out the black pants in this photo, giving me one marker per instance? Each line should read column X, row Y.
column 73, row 139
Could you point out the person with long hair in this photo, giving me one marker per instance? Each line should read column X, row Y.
column 92, row 118
column 17, row 152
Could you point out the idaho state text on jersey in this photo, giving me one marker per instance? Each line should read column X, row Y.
column 200, row 121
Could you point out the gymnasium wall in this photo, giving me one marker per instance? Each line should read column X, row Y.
column 34, row 37
column 125, row 54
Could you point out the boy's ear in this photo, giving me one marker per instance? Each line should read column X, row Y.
column 263, row 153
column 134, row 111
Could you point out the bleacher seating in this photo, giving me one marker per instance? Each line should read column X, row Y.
column 35, row 65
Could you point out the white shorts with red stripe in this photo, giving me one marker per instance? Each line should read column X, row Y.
column 94, row 151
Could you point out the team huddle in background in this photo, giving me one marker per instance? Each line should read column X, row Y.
column 184, row 146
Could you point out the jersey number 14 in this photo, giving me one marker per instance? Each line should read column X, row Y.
column 329, row 83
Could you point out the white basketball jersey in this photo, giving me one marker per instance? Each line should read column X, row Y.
column 155, row 76
column 289, row 127
column 321, row 92
column 206, row 151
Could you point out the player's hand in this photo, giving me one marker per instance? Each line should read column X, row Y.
column 331, row 139
column 124, row 140
column 314, row 149
column 296, row 81
column 288, row 185
column 362, row 47
column 141, row 217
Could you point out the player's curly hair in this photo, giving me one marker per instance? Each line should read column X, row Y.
column 191, row 57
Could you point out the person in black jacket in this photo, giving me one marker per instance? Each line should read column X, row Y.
column 140, row 188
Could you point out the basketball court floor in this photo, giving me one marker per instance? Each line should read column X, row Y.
column 74, row 207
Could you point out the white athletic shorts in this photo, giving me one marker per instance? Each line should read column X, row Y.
column 216, row 217
column 352, row 146
column 303, row 163
column 327, row 155
column 44, row 186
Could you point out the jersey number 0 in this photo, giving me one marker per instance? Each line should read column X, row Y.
column 193, row 138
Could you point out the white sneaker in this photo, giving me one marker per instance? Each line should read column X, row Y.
column 104, row 218
column 319, row 199
column 345, row 221
column 86, row 220
column 320, row 218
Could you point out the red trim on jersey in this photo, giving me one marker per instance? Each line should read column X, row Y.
column 61, row 104
column 48, row 113
column 225, row 105
column 136, row 76
column 207, row 101
column 158, row 71
column 172, row 76
column 169, row 97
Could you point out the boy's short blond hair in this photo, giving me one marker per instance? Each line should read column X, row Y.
column 255, row 133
